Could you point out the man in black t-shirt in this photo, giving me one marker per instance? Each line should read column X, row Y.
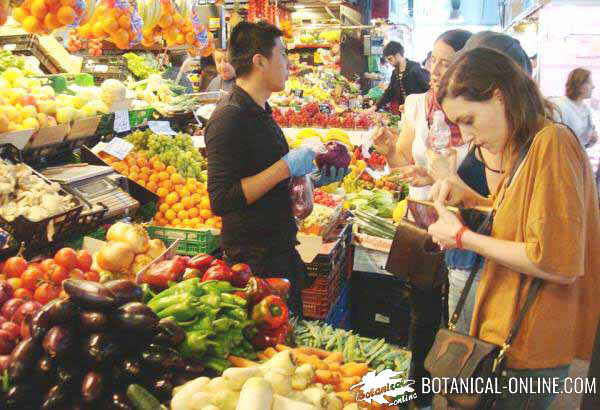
column 250, row 164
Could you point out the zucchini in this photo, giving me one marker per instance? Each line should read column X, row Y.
column 374, row 231
column 376, row 221
column 142, row 399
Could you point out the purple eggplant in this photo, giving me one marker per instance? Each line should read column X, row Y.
column 92, row 386
column 93, row 321
column 135, row 317
column 6, row 292
column 55, row 399
column 119, row 401
column 125, row 291
column 100, row 348
column 23, row 358
column 127, row 371
column 88, row 294
column 169, row 332
column 56, row 312
column 58, row 341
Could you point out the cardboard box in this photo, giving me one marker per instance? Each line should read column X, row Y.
column 48, row 136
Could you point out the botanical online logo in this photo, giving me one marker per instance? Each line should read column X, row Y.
column 387, row 387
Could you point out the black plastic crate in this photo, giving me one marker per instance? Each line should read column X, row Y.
column 105, row 67
column 29, row 45
column 380, row 306
column 323, row 264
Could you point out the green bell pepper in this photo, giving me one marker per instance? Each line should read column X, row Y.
column 217, row 364
column 191, row 286
column 212, row 300
column 223, row 324
column 185, row 310
column 194, row 345
column 218, row 287
column 237, row 313
column 234, row 300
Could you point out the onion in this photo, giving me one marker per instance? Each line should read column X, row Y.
column 133, row 235
column 156, row 247
column 115, row 257
column 140, row 262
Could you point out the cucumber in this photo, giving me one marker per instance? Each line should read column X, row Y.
column 142, row 399
column 375, row 231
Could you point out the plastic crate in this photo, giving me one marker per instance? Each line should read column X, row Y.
column 323, row 264
column 140, row 117
column 29, row 45
column 318, row 298
column 106, row 124
column 339, row 314
column 91, row 221
column 191, row 242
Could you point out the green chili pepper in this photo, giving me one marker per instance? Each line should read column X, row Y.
column 185, row 310
column 204, row 324
column 158, row 304
column 208, row 311
column 218, row 287
column 223, row 324
column 194, row 345
column 212, row 300
column 220, row 346
column 237, row 313
column 217, row 364
column 235, row 336
column 234, row 299
column 147, row 293
column 187, row 286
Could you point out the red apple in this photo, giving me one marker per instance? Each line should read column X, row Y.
column 241, row 274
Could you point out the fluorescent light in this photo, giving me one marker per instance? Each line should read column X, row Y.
column 335, row 1
column 299, row 6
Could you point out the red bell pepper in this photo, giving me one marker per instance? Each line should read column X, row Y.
column 257, row 289
column 202, row 262
column 218, row 272
column 272, row 337
column 281, row 287
column 160, row 274
column 241, row 275
column 270, row 313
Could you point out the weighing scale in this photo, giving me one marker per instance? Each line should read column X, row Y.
column 94, row 185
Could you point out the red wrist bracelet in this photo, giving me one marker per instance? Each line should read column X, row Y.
column 459, row 235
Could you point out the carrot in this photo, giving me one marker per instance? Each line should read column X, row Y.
column 327, row 377
column 348, row 382
column 281, row 348
column 320, row 353
column 334, row 357
column 241, row 362
column 261, row 356
column 346, row 396
column 270, row 352
column 354, row 369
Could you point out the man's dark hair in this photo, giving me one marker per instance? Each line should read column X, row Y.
column 249, row 39
column 207, row 61
column 392, row 48
column 455, row 38
column 503, row 43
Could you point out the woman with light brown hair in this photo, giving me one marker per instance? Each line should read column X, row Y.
column 546, row 222
column 572, row 109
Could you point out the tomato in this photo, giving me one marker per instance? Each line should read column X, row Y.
column 31, row 278
column 76, row 274
column 84, row 260
column 47, row 265
column 15, row 283
column 93, row 276
column 46, row 292
column 11, row 328
column 14, row 267
column 67, row 258
column 23, row 293
column 58, row 274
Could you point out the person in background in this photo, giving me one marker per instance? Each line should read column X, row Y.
column 225, row 79
column 250, row 163
column 208, row 71
column 572, row 109
column 181, row 65
column 546, row 223
column 408, row 78
column 409, row 153
column 427, row 62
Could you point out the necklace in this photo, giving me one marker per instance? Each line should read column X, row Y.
column 497, row 171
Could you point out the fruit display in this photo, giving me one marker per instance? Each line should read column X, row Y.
column 45, row 16
column 169, row 21
column 312, row 115
column 9, row 60
column 87, row 349
column 127, row 251
column 326, row 198
column 332, row 134
column 116, row 21
column 141, row 66
column 23, row 193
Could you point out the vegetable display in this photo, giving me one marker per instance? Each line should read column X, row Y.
column 86, row 349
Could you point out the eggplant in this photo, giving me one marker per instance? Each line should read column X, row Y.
column 135, row 317
column 92, row 321
column 163, row 387
column 58, row 341
column 163, row 357
column 88, row 294
column 125, row 291
column 119, row 401
column 91, row 387
column 56, row 312
column 169, row 332
column 55, row 399
column 19, row 396
column 45, row 368
column 127, row 371
column 100, row 348
column 67, row 374
column 194, row 367
column 23, row 358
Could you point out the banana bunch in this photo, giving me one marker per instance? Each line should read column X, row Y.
column 336, row 134
column 308, row 133
column 150, row 12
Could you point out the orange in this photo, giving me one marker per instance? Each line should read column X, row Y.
column 141, row 182
column 171, row 169
column 162, row 192
column 163, row 176
column 19, row 14
column 187, row 202
column 166, row 184
column 180, row 40
column 165, row 21
column 190, row 38
column 196, row 221
column 158, row 222
column 170, row 215
column 177, row 207
column 177, row 179
column 164, row 207
column 133, row 168
column 39, row 9
column 185, row 192
column 152, row 186
column 130, row 160
column 110, row 26
column 31, row 24
column 51, row 22
column 212, row 222
column 194, row 212
column 205, row 213
column 172, row 198
column 154, row 178
column 133, row 175
column 205, row 203
column 176, row 223
column 143, row 177
column 125, row 21
column 196, row 198
column 159, row 215
column 66, row 15
column 182, row 215
column 69, row 3
column 188, row 223
column 219, row 225
column 98, row 30
column 119, row 37
column 142, row 162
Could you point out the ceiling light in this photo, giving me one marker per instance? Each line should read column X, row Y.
column 299, row 6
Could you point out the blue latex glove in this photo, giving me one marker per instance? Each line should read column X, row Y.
column 300, row 161
column 321, row 178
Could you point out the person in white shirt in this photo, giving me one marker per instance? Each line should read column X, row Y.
column 572, row 109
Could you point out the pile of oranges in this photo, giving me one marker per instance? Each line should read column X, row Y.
column 174, row 28
column 110, row 23
column 44, row 16
column 183, row 203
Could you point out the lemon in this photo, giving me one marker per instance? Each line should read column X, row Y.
column 30, row 124
column 12, row 75
column 400, row 210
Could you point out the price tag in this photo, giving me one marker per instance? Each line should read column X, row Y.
column 9, row 47
column 118, row 147
column 325, row 108
column 298, row 93
column 161, row 127
column 122, row 123
column 101, row 68
column 198, row 141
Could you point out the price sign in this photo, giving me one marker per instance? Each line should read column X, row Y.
column 118, row 147
column 161, row 127
column 298, row 93
column 122, row 123
column 9, row 47
column 325, row 108
column 101, row 68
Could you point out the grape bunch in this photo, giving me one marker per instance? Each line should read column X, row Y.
column 178, row 151
column 139, row 139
